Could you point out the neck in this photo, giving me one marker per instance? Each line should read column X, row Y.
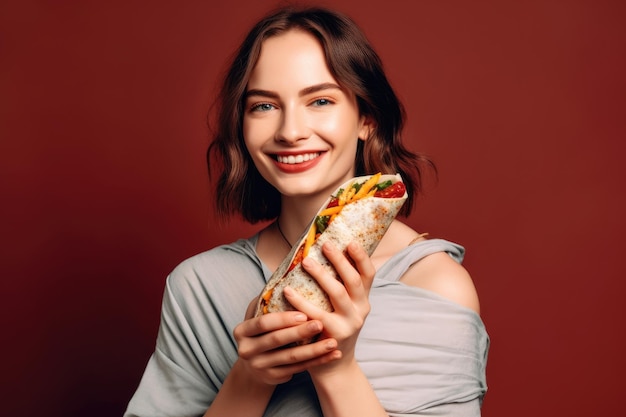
column 296, row 214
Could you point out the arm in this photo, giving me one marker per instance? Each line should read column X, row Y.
column 342, row 387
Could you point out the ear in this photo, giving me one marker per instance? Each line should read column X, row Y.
column 366, row 127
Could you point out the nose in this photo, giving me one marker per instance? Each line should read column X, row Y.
column 293, row 126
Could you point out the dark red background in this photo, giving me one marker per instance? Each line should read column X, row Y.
column 104, row 189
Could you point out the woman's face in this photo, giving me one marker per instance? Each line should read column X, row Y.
column 300, row 127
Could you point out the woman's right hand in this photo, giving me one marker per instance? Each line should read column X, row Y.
column 267, row 345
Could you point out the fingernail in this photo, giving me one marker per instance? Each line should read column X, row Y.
column 307, row 262
column 331, row 344
column 300, row 317
column 354, row 246
column 314, row 326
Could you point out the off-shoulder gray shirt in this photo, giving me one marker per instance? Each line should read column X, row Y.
column 423, row 354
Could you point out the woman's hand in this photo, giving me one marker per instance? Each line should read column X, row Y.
column 350, row 300
column 267, row 350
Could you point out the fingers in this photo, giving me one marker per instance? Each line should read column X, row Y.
column 297, row 358
column 304, row 305
column 271, row 331
column 363, row 264
column 355, row 270
column 279, row 366
column 267, row 345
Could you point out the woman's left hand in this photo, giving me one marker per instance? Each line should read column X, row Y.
column 350, row 300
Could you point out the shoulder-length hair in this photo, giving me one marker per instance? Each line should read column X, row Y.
column 355, row 65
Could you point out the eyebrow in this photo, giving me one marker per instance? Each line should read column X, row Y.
column 303, row 92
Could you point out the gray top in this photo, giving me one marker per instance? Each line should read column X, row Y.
column 423, row 354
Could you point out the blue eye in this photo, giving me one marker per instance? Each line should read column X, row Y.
column 262, row 107
column 322, row 102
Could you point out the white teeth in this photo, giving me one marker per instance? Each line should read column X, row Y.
column 297, row 159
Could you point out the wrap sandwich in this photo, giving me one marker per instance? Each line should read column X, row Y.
column 361, row 210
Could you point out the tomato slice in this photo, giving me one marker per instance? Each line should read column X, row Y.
column 396, row 190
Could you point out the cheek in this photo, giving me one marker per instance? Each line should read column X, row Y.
column 339, row 128
column 258, row 131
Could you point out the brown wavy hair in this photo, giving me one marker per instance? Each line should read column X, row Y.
column 355, row 65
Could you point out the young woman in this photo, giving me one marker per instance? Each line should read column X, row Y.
column 304, row 108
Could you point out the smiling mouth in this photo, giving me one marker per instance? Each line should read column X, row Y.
column 297, row 159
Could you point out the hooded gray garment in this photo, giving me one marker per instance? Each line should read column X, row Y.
column 423, row 354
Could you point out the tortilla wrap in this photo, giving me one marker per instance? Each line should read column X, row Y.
column 365, row 221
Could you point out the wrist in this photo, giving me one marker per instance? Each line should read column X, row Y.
column 346, row 391
column 334, row 372
column 241, row 395
column 242, row 378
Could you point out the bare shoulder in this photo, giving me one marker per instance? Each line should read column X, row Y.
column 441, row 274
column 397, row 238
column 438, row 272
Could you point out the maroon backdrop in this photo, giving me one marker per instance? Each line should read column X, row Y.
column 104, row 189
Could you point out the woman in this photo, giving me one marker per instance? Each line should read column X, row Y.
column 304, row 108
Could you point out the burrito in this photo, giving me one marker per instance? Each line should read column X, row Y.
column 360, row 210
